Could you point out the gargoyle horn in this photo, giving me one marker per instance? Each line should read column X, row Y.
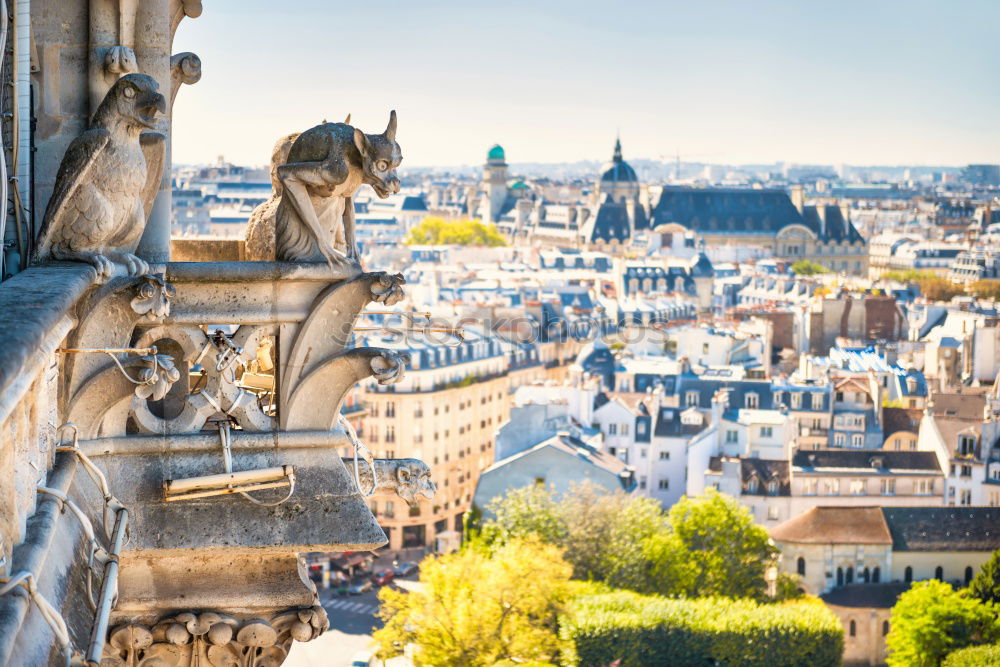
column 347, row 121
column 390, row 130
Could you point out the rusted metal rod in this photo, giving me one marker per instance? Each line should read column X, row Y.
column 107, row 350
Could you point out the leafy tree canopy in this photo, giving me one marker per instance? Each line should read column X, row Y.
column 985, row 289
column 480, row 606
column 985, row 586
column 805, row 267
column 433, row 230
column 932, row 619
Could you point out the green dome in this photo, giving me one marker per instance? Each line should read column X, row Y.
column 496, row 153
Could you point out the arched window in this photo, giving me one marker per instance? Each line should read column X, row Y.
column 885, row 628
column 939, row 573
column 853, row 629
column 968, row 575
column 840, row 576
column 800, row 566
column 866, row 575
column 908, row 574
column 875, row 575
column 850, row 575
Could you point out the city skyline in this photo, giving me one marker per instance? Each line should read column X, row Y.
column 891, row 84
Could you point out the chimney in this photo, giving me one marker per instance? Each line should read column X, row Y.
column 798, row 196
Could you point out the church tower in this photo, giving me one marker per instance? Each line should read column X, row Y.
column 495, row 184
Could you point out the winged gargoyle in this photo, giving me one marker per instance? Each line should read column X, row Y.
column 107, row 181
column 314, row 214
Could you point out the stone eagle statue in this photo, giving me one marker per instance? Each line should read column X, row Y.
column 107, row 181
column 310, row 216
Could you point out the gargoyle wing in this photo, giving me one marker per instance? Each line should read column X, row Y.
column 73, row 171
column 154, row 147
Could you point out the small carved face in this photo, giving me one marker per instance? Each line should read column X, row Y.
column 138, row 99
column 414, row 479
column 380, row 156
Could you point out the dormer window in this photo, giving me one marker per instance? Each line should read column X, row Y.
column 752, row 485
column 966, row 445
column 772, row 488
column 751, row 401
column 691, row 399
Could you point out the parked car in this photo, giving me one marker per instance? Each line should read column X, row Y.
column 405, row 569
column 383, row 576
column 362, row 586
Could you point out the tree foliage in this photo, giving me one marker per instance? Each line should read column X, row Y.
column 985, row 585
column 433, row 230
column 602, row 534
column 707, row 545
column 985, row 289
column 932, row 286
column 713, row 548
column 480, row 606
column 974, row 656
column 932, row 619
column 634, row 631
column 805, row 267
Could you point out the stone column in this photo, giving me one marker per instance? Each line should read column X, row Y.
column 152, row 49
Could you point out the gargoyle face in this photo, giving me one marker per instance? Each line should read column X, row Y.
column 380, row 155
column 414, row 479
column 137, row 100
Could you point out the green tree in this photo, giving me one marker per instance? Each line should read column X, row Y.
column 713, row 548
column 932, row 286
column 602, row 534
column 986, row 584
column 985, row 289
column 804, row 267
column 480, row 606
column 932, row 619
column 433, row 230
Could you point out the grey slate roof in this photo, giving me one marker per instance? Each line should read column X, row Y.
column 943, row 528
column 861, row 458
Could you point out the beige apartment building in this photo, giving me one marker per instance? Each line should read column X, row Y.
column 445, row 411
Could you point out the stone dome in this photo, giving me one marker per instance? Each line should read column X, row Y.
column 618, row 170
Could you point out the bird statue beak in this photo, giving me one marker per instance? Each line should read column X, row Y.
column 147, row 105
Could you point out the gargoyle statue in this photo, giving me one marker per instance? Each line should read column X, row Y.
column 407, row 478
column 107, row 181
column 325, row 166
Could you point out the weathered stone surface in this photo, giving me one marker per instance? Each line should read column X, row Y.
column 107, row 182
column 311, row 216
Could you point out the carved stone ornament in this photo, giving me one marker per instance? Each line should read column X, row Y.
column 107, row 182
column 212, row 639
column 388, row 288
column 153, row 295
column 156, row 375
column 319, row 174
column 407, row 478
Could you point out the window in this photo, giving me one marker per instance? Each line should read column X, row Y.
column 796, row 400
column 908, row 574
column 817, row 401
column 800, row 566
column 966, row 498
column 850, row 575
column 772, row 513
column 753, row 485
column 857, row 440
column 625, row 429
column 732, row 436
column 643, row 453
column 866, row 575
column 924, row 486
column 642, row 482
column 809, row 487
column 691, row 399
column 966, row 445
column 840, row 396
column 664, row 484
column 839, row 439
column 766, row 431
column 966, row 471
column 390, row 509
column 390, row 409
column 887, row 487
column 968, row 575
column 612, row 429
column 876, row 575
column 840, row 576
column 704, row 348
column 664, row 456
column 858, row 487
column 751, row 400
column 939, row 573
column 831, row 487
column 885, row 628
column 640, row 428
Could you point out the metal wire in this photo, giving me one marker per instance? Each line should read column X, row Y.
column 227, row 458
column 50, row 614
column 360, row 451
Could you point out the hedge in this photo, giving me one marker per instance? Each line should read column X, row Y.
column 974, row 656
column 643, row 630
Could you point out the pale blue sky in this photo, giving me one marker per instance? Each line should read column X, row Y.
column 726, row 81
